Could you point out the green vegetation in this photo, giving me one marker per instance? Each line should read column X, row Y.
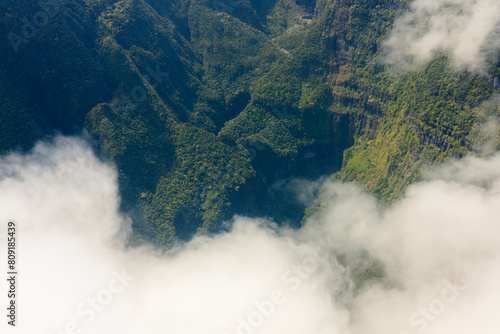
column 202, row 111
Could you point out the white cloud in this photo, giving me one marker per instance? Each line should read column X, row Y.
column 467, row 30
column 73, row 266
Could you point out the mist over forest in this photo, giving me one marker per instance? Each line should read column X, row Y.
column 250, row 166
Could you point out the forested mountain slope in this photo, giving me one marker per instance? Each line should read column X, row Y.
column 208, row 107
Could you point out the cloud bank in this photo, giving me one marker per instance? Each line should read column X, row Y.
column 439, row 248
column 467, row 30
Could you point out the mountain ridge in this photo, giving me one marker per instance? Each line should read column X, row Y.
column 202, row 111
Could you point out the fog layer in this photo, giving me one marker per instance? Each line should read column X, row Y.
column 438, row 248
column 468, row 31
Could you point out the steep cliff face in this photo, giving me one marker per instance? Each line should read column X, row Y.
column 207, row 107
